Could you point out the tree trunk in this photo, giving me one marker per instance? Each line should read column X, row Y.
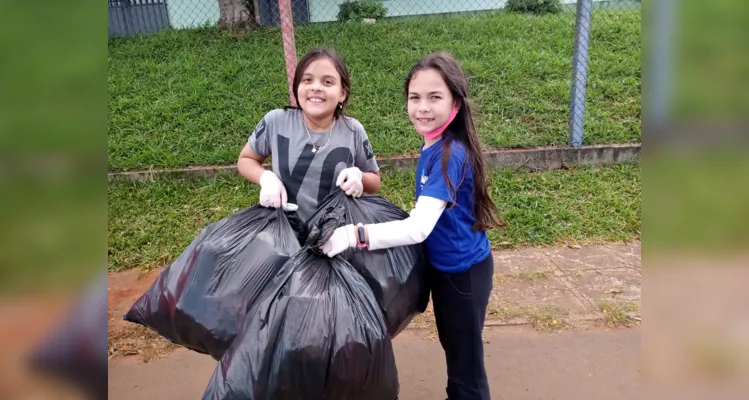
column 237, row 14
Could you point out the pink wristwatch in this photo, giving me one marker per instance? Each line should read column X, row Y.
column 361, row 241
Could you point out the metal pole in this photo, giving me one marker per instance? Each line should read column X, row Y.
column 660, row 60
column 289, row 44
column 580, row 71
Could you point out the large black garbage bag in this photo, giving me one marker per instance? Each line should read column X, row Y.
column 397, row 276
column 76, row 350
column 318, row 334
column 201, row 299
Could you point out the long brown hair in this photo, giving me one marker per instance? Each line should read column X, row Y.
column 463, row 130
column 340, row 66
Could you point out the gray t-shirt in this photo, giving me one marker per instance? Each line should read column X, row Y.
column 310, row 174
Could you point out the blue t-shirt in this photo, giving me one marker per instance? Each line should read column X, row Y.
column 452, row 246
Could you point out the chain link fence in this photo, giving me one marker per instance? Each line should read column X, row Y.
column 588, row 27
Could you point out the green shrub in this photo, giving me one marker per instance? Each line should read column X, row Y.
column 358, row 10
column 538, row 7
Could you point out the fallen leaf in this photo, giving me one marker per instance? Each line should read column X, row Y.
column 574, row 246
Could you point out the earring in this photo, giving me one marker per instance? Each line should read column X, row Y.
column 340, row 105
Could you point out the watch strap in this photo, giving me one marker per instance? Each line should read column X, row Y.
column 360, row 236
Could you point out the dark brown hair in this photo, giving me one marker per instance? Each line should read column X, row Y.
column 463, row 130
column 314, row 55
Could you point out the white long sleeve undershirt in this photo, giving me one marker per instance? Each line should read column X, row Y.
column 412, row 230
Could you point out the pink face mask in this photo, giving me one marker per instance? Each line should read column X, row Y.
column 439, row 131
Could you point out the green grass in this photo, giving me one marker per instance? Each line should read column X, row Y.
column 193, row 96
column 697, row 202
column 618, row 313
column 152, row 222
column 50, row 235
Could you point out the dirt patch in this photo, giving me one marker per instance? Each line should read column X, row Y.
column 127, row 286
column 550, row 290
column 137, row 340
column 127, row 338
column 516, row 262
column 534, row 289
column 542, row 317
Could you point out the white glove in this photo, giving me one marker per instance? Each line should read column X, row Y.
column 342, row 238
column 350, row 181
column 272, row 191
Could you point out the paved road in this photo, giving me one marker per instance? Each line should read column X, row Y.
column 521, row 364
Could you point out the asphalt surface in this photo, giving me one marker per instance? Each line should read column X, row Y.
column 521, row 364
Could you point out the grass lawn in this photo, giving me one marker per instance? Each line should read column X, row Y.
column 150, row 223
column 193, row 96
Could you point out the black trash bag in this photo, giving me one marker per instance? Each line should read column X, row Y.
column 318, row 334
column 397, row 275
column 76, row 350
column 201, row 300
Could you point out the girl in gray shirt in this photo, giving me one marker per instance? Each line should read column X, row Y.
column 314, row 147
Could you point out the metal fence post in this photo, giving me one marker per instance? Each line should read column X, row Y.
column 580, row 71
column 289, row 44
column 657, row 105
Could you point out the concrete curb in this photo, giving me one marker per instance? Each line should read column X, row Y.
column 535, row 159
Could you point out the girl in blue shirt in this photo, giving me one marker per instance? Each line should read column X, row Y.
column 452, row 213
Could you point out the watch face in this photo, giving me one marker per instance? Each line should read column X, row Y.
column 361, row 235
